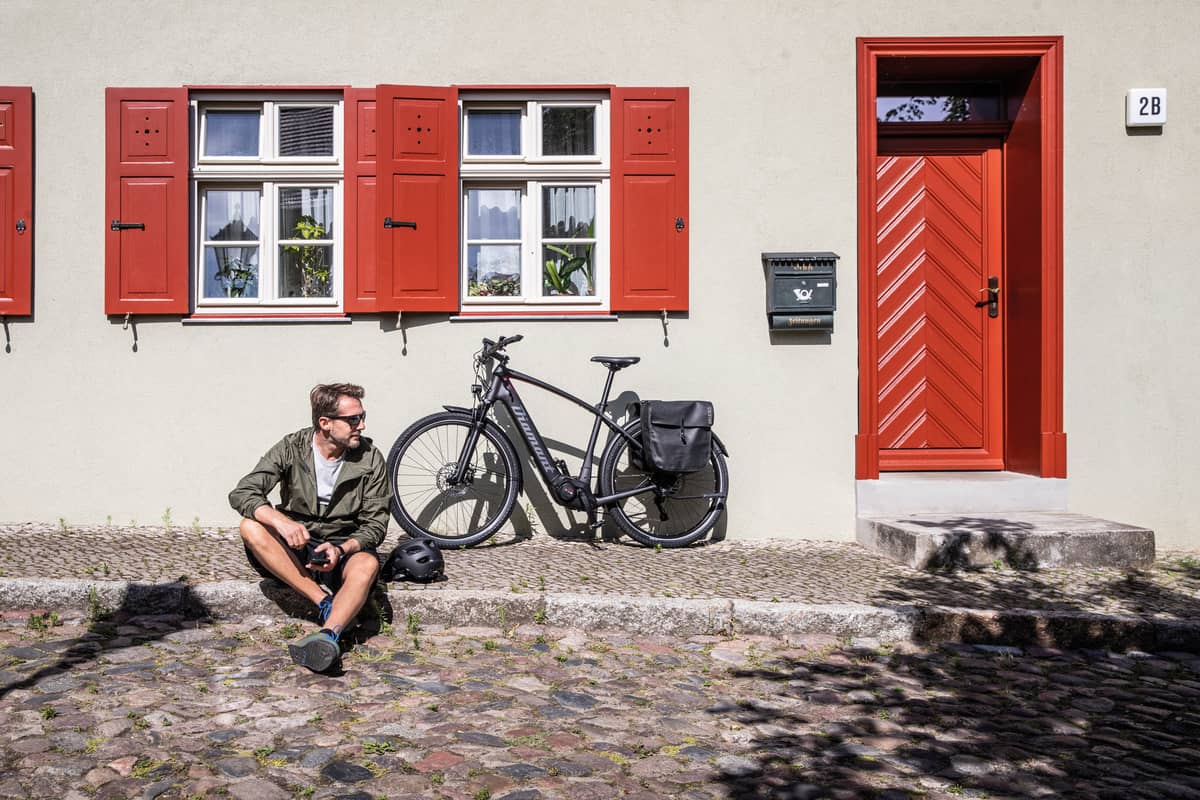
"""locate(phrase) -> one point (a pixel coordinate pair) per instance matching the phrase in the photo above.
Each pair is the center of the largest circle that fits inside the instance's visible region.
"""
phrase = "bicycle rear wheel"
(424, 501)
(676, 509)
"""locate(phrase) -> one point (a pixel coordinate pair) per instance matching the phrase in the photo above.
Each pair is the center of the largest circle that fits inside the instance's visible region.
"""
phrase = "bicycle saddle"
(617, 362)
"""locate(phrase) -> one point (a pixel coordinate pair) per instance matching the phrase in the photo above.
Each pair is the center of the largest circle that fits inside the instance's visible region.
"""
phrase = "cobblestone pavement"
(165, 707)
(783, 570)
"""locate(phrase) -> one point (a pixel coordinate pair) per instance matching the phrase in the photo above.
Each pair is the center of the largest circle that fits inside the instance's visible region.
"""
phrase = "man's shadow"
(175, 607)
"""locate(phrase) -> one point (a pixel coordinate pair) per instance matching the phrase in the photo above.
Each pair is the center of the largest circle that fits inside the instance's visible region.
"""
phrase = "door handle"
(388, 222)
(993, 297)
(117, 225)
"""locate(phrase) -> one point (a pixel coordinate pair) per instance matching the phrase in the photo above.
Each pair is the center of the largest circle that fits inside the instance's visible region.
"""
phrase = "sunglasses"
(352, 420)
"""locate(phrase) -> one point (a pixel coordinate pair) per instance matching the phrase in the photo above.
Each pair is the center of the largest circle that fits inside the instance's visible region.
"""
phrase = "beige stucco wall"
(96, 428)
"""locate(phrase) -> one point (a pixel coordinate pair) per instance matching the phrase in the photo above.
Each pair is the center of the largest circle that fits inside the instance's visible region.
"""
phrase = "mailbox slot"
(801, 290)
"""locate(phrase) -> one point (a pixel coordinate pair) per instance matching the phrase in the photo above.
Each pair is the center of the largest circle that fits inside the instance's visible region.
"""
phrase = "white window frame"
(531, 171)
(269, 173)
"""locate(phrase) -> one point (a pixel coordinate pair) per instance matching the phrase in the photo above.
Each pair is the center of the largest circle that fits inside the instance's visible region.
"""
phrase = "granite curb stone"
(648, 616)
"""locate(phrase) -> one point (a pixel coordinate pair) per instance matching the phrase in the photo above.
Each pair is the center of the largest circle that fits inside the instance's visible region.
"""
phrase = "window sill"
(527, 316)
(234, 319)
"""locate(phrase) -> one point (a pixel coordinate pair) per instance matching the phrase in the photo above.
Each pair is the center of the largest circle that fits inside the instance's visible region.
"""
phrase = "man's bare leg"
(280, 560)
(358, 576)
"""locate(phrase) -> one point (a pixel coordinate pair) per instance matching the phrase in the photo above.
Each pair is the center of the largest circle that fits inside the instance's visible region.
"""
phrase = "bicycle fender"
(720, 445)
(489, 424)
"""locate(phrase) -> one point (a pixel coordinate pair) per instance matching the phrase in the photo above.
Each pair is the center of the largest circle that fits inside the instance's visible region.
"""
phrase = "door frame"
(1034, 441)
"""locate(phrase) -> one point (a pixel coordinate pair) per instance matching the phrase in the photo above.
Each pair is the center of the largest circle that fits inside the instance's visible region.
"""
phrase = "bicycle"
(455, 475)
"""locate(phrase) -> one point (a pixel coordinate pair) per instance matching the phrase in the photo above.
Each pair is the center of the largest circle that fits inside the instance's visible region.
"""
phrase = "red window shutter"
(16, 200)
(361, 271)
(146, 201)
(649, 199)
(418, 198)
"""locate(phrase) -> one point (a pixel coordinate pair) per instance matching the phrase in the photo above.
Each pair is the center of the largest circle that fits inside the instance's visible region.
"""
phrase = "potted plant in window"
(314, 269)
(556, 277)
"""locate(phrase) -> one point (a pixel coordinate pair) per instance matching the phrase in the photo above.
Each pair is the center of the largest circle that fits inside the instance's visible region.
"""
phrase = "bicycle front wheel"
(675, 509)
(425, 501)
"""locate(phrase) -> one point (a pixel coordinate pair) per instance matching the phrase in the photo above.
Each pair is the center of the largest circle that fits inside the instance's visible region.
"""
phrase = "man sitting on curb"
(333, 514)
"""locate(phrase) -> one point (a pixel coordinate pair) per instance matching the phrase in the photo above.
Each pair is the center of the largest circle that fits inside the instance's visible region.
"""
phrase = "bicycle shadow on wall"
(539, 510)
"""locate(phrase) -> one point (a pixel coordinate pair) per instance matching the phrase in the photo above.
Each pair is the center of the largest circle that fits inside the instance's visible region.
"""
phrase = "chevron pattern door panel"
(939, 370)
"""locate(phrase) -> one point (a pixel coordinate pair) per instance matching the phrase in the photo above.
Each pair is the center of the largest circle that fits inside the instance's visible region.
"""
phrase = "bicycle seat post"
(585, 472)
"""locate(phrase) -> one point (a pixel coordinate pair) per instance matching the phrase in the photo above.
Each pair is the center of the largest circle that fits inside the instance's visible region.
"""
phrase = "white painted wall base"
(900, 493)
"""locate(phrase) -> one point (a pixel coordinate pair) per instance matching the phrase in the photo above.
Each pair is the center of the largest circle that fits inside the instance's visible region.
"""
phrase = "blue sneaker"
(317, 651)
(325, 608)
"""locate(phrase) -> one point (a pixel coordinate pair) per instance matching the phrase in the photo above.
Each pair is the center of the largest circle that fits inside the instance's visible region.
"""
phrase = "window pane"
(231, 214)
(231, 133)
(493, 133)
(306, 131)
(925, 102)
(494, 270)
(569, 212)
(305, 213)
(493, 213)
(568, 131)
(230, 272)
(305, 270)
(567, 270)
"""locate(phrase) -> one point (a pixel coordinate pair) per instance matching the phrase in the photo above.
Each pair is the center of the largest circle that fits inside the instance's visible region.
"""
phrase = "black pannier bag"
(676, 435)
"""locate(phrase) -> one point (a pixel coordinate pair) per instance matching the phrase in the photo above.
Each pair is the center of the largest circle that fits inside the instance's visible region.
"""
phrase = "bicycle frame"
(500, 389)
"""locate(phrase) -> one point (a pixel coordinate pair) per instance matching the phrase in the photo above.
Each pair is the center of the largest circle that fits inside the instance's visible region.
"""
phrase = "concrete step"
(902, 493)
(1020, 540)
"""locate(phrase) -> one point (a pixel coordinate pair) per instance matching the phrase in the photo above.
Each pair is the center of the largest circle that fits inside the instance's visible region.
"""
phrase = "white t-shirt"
(327, 475)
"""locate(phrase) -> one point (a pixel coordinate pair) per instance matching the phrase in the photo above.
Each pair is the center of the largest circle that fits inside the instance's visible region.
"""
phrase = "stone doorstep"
(1020, 540)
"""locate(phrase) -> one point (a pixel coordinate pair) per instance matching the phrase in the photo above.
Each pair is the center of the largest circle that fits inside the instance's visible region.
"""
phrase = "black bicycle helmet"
(415, 559)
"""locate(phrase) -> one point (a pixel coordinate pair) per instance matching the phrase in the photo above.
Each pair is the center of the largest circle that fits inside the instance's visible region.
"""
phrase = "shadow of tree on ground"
(962, 720)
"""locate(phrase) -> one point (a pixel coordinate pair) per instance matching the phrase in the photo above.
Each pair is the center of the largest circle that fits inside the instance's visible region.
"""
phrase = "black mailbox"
(801, 290)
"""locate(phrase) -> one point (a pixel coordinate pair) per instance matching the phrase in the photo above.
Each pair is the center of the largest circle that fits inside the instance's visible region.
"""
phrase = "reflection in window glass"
(231, 132)
(306, 131)
(492, 132)
(231, 214)
(569, 211)
(305, 213)
(568, 131)
(230, 272)
(940, 103)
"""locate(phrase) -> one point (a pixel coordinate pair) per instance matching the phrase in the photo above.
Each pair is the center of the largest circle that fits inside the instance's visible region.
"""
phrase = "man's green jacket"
(357, 510)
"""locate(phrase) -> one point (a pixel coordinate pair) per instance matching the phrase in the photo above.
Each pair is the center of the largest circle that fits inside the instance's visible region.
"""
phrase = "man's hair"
(325, 396)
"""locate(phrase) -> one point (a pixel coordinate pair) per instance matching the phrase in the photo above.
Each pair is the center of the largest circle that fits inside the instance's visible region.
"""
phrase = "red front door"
(939, 358)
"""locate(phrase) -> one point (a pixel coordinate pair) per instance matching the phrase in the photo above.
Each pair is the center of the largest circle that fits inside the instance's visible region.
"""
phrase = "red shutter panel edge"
(650, 221)
(361, 264)
(16, 200)
(417, 188)
(146, 184)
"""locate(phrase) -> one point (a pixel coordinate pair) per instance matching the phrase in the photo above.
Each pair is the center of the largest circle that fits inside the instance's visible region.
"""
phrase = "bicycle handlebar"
(491, 348)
